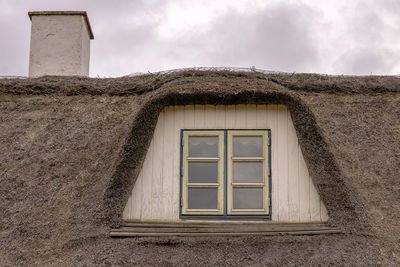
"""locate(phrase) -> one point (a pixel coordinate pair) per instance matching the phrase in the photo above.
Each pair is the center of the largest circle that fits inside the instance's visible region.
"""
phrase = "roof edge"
(64, 13)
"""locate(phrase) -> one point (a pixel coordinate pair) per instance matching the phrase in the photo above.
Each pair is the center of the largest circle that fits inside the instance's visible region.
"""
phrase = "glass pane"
(202, 198)
(202, 146)
(247, 198)
(247, 172)
(247, 146)
(203, 172)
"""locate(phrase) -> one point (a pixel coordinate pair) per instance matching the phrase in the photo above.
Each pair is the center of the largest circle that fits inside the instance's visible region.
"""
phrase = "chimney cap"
(64, 13)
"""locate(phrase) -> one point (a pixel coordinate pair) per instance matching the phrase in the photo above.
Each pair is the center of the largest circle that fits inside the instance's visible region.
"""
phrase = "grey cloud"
(366, 27)
(365, 61)
(14, 49)
(280, 37)
(389, 6)
(370, 39)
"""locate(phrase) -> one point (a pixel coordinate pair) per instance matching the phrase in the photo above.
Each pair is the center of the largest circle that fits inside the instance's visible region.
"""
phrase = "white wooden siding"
(155, 195)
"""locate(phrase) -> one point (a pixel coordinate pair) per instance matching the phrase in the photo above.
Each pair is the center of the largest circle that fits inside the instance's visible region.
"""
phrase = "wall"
(85, 55)
(155, 195)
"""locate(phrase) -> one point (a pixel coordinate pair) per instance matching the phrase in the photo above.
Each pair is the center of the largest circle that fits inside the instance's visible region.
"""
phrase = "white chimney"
(60, 43)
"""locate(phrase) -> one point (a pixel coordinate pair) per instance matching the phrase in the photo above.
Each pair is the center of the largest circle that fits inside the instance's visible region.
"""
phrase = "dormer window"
(225, 162)
(225, 173)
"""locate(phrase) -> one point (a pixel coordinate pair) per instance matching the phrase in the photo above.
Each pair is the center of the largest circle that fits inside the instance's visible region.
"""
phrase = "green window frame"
(242, 180)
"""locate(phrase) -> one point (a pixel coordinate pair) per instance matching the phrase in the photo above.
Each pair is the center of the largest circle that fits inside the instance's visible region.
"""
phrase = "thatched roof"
(71, 148)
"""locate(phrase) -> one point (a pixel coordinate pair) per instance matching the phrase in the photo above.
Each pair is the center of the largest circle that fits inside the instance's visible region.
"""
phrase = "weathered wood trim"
(211, 229)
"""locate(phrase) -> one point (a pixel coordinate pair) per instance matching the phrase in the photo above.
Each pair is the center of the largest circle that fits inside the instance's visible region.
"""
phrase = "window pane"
(203, 172)
(247, 198)
(202, 198)
(247, 172)
(202, 146)
(247, 146)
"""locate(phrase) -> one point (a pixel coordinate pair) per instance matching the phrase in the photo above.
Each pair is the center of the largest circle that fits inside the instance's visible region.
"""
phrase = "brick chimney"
(60, 43)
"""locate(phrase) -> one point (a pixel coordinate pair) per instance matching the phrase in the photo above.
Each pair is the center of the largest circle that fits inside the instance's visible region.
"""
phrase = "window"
(203, 172)
(225, 173)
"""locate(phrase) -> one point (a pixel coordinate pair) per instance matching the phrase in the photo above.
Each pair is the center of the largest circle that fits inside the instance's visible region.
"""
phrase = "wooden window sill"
(143, 229)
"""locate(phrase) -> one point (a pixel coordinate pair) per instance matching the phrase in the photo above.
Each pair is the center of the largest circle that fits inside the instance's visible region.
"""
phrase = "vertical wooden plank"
(136, 208)
(272, 118)
(140, 195)
(251, 116)
(268, 116)
(293, 165)
(282, 156)
(261, 121)
(199, 120)
(209, 117)
(179, 124)
(304, 189)
(324, 212)
(240, 117)
(168, 157)
(230, 117)
(157, 189)
(220, 117)
(315, 205)
(189, 117)
(147, 183)
(140, 201)
(126, 215)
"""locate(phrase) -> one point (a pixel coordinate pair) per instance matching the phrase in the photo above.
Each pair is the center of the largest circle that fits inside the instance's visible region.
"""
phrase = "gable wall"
(155, 195)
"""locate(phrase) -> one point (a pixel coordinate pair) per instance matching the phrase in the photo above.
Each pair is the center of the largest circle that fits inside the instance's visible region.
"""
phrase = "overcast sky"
(334, 37)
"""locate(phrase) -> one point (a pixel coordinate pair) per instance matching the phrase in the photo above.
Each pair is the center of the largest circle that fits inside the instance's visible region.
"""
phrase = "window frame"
(224, 214)
(185, 170)
(230, 159)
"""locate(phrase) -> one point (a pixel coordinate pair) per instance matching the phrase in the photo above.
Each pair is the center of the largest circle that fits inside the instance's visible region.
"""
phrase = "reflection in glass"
(247, 146)
(203, 172)
(202, 198)
(247, 198)
(203, 146)
(247, 172)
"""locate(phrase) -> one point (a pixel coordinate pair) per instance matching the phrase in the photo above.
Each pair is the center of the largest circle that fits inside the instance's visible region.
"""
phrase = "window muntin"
(203, 170)
(237, 159)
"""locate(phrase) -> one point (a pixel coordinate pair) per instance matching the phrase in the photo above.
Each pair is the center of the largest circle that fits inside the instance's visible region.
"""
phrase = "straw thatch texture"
(72, 147)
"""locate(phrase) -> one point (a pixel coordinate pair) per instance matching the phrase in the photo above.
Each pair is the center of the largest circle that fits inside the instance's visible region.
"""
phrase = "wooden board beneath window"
(142, 229)
(156, 193)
